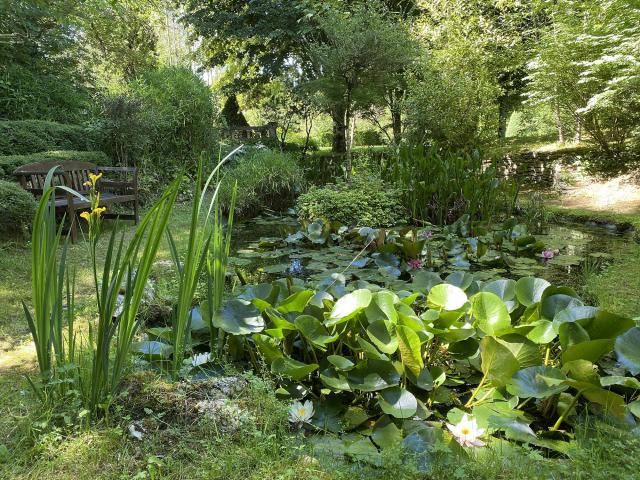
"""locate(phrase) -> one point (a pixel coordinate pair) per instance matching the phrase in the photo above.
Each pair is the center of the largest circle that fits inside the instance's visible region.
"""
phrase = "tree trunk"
(347, 127)
(577, 138)
(559, 124)
(503, 116)
(396, 117)
(339, 130)
(308, 125)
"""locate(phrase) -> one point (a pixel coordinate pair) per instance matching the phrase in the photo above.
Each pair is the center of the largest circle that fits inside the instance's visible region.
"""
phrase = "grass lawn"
(31, 448)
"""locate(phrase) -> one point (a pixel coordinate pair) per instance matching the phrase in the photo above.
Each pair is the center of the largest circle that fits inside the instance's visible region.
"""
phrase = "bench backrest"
(71, 174)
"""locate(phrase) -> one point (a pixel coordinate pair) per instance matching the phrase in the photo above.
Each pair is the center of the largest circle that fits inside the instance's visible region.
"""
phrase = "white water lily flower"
(467, 432)
(200, 359)
(301, 412)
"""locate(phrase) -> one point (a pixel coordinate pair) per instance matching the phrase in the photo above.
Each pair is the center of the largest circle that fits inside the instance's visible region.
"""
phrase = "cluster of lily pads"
(391, 255)
(521, 357)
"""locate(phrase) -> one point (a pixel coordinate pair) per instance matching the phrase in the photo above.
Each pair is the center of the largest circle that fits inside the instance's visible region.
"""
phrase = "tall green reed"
(440, 185)
(201, 232)
(49, 277)
(119, 291)
(217, 260)
(94, 367)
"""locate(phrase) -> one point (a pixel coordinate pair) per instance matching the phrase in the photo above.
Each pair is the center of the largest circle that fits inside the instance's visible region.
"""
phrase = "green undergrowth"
(265, 448)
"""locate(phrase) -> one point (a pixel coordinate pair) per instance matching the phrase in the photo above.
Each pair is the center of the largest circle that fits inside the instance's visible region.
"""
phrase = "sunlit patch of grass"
(616, 288)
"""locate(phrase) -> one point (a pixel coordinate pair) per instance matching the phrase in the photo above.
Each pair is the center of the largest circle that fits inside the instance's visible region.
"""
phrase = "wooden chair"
(119, 185)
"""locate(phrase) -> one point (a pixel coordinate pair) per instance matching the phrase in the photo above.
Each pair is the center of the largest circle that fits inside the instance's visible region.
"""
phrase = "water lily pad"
(398, 402)
(490, 311)
(292, 368)
(446, 297)
(152, 350)
(239, 317)
(537, 382)
(627, 347)
(349, 306)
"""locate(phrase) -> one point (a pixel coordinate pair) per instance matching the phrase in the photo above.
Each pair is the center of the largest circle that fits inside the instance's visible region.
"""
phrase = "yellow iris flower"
(93, 179)
(96, 212)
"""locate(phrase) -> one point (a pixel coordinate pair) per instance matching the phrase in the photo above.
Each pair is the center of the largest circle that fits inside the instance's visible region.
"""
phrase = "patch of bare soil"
(617, 195)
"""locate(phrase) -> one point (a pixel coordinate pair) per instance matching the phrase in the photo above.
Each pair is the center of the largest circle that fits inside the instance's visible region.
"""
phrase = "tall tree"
(587, 68)
(357, 61)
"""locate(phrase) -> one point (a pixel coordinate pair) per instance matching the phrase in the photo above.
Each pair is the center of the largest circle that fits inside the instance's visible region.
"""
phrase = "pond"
(261, 253)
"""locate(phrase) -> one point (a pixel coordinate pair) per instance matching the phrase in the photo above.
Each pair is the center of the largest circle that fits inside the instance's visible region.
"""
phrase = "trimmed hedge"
(21, 137)
(17, 206)
(8, 163)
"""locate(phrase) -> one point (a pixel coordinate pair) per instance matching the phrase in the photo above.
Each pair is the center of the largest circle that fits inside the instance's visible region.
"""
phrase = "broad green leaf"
(383, 334)
(529, 290)
(268, 347)
(526, 353)
(152, 350)
(239, 317)
(504, 288)
(370, 351)
(398, 402)
(292, 368)
(591, 350)
(348, 306)
(385, 433)
(424, 281)
(314, 331)
(334, 380)
(627, 347)
(491, 312)
(296, 302)
(410, 349)
(554, 304)
(355, 416)
(537, 382)
(423, 381)
(542, 332)
(634, 407)
(627, 382)
(446, 297)
(572, 333)
(373, 375)
(498, 363)
(573, 314)
(606, 325)
(382, 307)
(341, 363)
(459, 279)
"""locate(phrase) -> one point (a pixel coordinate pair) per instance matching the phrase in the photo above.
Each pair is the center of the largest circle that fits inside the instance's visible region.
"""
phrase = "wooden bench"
(119, 185)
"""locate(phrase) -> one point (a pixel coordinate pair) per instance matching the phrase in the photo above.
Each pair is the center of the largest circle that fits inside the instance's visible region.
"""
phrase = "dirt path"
(618, 195)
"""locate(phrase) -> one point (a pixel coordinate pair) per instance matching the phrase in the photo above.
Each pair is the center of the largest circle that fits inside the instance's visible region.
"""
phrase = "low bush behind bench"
(9, 163)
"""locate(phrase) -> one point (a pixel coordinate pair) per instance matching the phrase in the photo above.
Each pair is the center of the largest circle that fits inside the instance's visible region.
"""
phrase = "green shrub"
(366, 201)
(265, 179)
(368, 137)
(17, 206)
(20, 137)
(8, 163)
(175, 112)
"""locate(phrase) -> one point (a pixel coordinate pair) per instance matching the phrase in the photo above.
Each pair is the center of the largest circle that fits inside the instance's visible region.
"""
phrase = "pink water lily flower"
(415, 263)
(549, 254)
